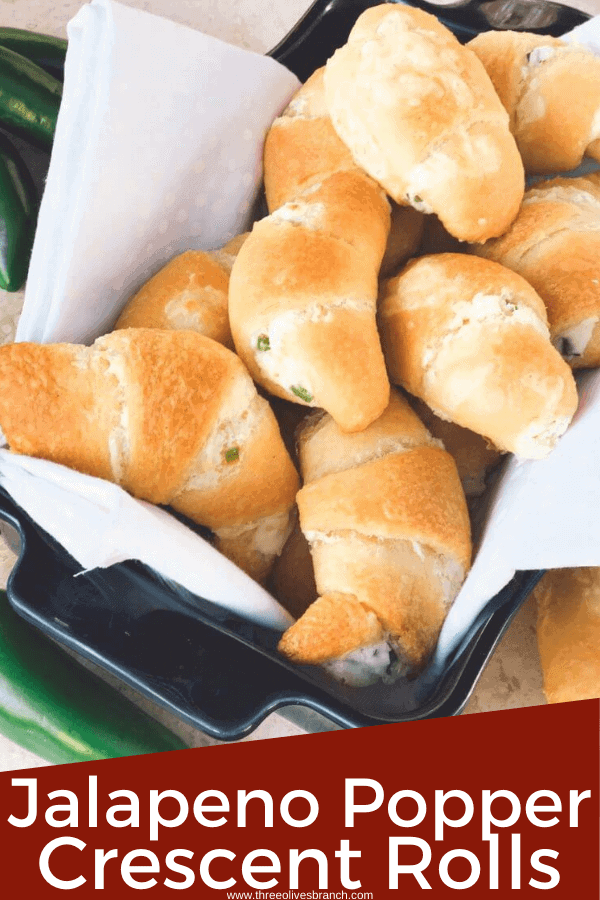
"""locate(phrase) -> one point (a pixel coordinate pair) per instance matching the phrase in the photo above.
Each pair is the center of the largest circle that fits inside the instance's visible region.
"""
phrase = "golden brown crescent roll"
(303, 290)
(386, 519)
(551, 91)
(421, 116)
(171, 416)
(188, 294)
(470, 338)
(554, 243)
(568, 633)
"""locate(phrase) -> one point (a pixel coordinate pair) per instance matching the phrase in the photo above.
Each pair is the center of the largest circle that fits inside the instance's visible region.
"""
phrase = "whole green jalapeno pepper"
(49, 704)
(29, 99)
(18, 216)
(52, 706)
(44, 50)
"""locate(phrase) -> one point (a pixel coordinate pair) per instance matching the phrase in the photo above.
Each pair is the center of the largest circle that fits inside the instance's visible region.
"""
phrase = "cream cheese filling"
(279, 363)
(238, 419)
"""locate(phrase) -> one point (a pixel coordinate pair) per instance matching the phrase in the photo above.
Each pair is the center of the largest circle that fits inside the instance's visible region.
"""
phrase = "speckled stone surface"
(512, 678)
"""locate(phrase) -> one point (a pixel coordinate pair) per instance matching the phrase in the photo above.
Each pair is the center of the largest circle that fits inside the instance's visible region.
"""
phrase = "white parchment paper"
(159, 151)
(96, 520)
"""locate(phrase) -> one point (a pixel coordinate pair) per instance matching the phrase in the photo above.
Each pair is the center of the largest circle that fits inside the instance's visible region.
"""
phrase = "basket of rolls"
(358, 393)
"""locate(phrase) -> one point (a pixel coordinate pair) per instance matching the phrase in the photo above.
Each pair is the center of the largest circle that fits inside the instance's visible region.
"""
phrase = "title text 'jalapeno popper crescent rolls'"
(386, 518)
(303, 289)
(470, 338)
(421, 116)
(171, 416)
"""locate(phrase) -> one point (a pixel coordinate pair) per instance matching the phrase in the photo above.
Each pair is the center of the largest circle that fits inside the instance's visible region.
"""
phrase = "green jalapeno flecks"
(263, 342)
(232, 455)
(301, 392)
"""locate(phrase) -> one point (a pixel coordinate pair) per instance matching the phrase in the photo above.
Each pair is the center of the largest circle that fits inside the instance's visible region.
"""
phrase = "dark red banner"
(501, 802)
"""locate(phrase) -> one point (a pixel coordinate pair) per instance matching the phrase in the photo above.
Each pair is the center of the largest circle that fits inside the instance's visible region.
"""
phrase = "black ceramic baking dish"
(206, 665)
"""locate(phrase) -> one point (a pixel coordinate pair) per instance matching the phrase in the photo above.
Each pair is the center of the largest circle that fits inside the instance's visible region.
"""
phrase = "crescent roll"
(554, 243)
(303, 289)
(188, 294)
(171, 416)
(551, 91)
(568, 633)
(387, 523)
(421, 116)
(471, 339)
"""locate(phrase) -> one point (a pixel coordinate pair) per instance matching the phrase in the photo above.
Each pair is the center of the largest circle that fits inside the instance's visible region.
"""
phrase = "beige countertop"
(512, 678)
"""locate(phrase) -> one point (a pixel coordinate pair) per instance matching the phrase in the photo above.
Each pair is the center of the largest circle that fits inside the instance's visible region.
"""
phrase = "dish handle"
(327, 24)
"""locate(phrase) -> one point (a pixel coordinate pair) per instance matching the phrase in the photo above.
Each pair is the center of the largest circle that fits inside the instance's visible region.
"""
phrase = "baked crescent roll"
(421, 116)
(303, 289)
(551, 91)
(470, 338)
(554, 243)
(189, 294)
(171, 416)
(387, 523)
(568, 633)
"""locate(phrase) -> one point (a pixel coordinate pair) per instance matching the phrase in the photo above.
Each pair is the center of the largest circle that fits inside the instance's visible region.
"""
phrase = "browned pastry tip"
(330, 627)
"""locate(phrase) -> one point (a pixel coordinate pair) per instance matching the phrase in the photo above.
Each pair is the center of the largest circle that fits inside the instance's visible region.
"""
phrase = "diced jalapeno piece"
(263, 342)
(301, 392)
(232, 454)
